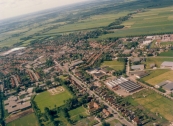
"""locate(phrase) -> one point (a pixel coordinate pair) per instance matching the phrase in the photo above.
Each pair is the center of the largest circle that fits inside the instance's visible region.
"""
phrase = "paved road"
(110, 108)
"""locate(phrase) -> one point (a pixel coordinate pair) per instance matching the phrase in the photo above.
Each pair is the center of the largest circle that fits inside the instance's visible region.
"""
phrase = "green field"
(160, 78)
(157, 20)
(167, 54)
(166, 43)
(155, 103)
(158, 61)
(29, 120)
(45, 99)
(116, 65)
(154, 73)
(114, 122)
(90, 121)
(76, 113)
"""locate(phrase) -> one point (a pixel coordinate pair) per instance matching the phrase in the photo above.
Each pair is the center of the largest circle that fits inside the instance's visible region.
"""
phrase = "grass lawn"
(166, 43)
(113, 122)
(45, 99)
(63, 77)
(155, 73)
(158, 61)
(163, 77)
(155, 103)
(116, 65)
(168, 53)
(90, 121)
(29, 120)
(76, 113)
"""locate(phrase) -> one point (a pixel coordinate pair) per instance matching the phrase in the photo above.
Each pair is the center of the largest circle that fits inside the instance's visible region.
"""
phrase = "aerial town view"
(86, 63)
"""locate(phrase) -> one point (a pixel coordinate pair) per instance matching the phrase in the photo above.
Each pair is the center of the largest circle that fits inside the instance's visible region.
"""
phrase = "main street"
(92, 93)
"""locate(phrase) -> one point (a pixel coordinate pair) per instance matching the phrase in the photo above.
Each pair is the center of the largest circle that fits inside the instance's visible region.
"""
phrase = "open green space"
(116, 65)
(114, 122)
(166, 43)
(29, 120)
(155, 103)
(45, 99)
(157, 60)
(160, 78)
(90, 121)
(167, 54)
(155, 73)
(77, 113)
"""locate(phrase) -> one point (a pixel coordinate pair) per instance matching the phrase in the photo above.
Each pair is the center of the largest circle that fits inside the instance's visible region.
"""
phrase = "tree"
(48, 82)
(105, 124)
(49, 62)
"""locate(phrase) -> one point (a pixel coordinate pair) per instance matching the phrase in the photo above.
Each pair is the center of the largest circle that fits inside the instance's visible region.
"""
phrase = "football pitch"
(46, 99)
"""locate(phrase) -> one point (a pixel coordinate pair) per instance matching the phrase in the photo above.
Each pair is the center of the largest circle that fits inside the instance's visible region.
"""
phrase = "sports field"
(29, 120)
(163, 77)
(155, 103)
(46, 99)
(157, 20)
(76, 113)
(116, 65)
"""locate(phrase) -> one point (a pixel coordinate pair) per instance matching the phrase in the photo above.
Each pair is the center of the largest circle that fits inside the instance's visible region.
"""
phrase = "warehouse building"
(168, 87)
(130, 86)
(137, 67)
(167, 64)
(123, 83)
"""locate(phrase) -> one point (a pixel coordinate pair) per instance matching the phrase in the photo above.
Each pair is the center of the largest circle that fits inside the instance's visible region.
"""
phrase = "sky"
(12, 8)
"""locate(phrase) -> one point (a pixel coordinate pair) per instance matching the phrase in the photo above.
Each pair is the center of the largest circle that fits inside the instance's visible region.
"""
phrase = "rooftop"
(167, 63)
(134, 67)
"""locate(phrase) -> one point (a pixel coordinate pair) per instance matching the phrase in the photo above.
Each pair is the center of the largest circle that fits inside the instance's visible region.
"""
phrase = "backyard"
(78, 113)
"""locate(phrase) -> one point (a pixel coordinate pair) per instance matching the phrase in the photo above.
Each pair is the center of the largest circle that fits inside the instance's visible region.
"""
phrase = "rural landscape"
(93, 63)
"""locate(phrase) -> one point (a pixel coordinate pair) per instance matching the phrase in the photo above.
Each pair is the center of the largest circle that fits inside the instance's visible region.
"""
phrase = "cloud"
(11, 8)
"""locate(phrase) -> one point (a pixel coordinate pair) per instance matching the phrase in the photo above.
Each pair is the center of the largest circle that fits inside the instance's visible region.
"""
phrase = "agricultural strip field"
(155, 103)
(163, 77)
(45, 99)
(152, 21)
(154, 73)
(29, 120)
(89, 23)
(157, 60)
(76, 113)
(116, 65)
(167, 54)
